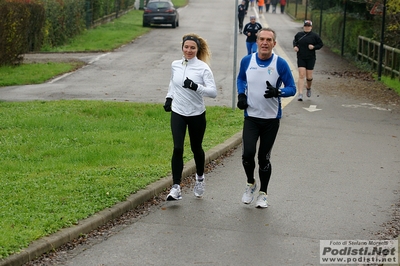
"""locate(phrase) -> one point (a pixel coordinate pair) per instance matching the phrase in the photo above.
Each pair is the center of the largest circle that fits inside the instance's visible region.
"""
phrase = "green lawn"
(62, 161)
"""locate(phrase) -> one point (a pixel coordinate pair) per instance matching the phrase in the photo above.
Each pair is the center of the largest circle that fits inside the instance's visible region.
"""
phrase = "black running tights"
(265, 130)
(196, 126)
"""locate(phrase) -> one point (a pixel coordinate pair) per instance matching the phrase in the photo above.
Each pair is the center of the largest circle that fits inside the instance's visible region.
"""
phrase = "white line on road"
(366, 105)
(312, 108)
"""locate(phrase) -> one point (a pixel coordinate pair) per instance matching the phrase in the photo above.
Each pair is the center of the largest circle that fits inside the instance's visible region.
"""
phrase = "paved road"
(140, 71)
(336, 165)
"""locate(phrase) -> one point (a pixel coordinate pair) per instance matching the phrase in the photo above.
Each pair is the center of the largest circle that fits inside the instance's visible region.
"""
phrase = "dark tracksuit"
(241, 15)
(251, 40)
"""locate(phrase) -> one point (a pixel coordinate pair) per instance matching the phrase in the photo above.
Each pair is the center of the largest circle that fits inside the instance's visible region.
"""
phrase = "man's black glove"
(271, 91)
(242, 101)
(189, 84)
(167, 105)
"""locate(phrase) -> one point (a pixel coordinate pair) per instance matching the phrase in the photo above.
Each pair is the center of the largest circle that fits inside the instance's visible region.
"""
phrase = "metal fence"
(368, 50)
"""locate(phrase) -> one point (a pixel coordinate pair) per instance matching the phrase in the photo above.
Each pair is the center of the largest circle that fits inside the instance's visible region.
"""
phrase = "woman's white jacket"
(185, 101)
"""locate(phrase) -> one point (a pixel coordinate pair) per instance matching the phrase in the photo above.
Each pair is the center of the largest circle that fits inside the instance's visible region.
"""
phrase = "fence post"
(320, 19)
(344, 26)
(88, 14)
(370, 51)
(305, 17)
(382, 40)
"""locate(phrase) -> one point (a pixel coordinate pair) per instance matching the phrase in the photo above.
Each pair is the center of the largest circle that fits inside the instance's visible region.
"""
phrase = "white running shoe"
(248, 195)
(262, 200)
(199, 188)
(175, 193)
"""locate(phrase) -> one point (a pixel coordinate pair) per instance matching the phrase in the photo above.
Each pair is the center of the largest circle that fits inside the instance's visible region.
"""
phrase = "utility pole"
(235, 54)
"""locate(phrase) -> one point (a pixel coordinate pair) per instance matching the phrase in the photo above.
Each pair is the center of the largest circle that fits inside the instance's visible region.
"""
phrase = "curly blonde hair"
(203, 52)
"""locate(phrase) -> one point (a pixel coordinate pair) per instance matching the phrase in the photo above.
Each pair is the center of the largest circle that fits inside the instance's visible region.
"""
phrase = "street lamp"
(235, 55)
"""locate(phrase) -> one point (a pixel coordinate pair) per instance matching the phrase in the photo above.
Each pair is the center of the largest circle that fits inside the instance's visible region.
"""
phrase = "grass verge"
(391, 83)
(62, 161)
(106, 37)
(34, 73)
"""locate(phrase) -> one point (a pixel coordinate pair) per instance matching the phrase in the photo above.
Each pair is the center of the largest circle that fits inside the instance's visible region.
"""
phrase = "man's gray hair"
(267, 29)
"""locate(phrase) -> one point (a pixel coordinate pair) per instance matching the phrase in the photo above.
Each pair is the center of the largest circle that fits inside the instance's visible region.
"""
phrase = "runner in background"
(260, 4)
(241, 14)
(283, 4)
(250, 30)
(305, 44)
(267, 5)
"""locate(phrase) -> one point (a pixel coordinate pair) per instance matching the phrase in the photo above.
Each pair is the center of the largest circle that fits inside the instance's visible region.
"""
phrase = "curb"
(48, 243)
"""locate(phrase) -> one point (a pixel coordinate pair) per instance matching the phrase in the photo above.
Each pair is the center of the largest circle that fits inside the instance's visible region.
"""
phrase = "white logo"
(359, 251)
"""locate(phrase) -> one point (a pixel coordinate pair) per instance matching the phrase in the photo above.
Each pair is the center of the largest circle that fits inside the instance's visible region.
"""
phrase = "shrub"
(64, 19)
(20, 29)
(14, 21)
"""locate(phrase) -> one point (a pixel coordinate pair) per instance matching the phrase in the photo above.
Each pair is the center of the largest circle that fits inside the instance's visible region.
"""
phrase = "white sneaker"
(199, 187)
(300, 97)
(175, 193)
(248, 195)
(262, 200)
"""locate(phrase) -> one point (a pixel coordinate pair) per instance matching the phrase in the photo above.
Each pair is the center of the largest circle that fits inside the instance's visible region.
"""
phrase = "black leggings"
(240, 23)
(196, 126)
(265, 130)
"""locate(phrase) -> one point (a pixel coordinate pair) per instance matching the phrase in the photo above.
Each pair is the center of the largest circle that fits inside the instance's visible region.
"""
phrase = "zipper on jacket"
(185, 63)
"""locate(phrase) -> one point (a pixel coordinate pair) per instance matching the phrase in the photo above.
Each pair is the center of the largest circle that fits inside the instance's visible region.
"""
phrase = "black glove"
(242, 101)
(167, 105)
(271, 91)
(189, 84)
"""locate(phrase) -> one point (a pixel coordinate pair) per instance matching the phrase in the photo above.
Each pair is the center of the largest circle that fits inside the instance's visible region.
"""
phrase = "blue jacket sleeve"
(287, 79)
(241, 82)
